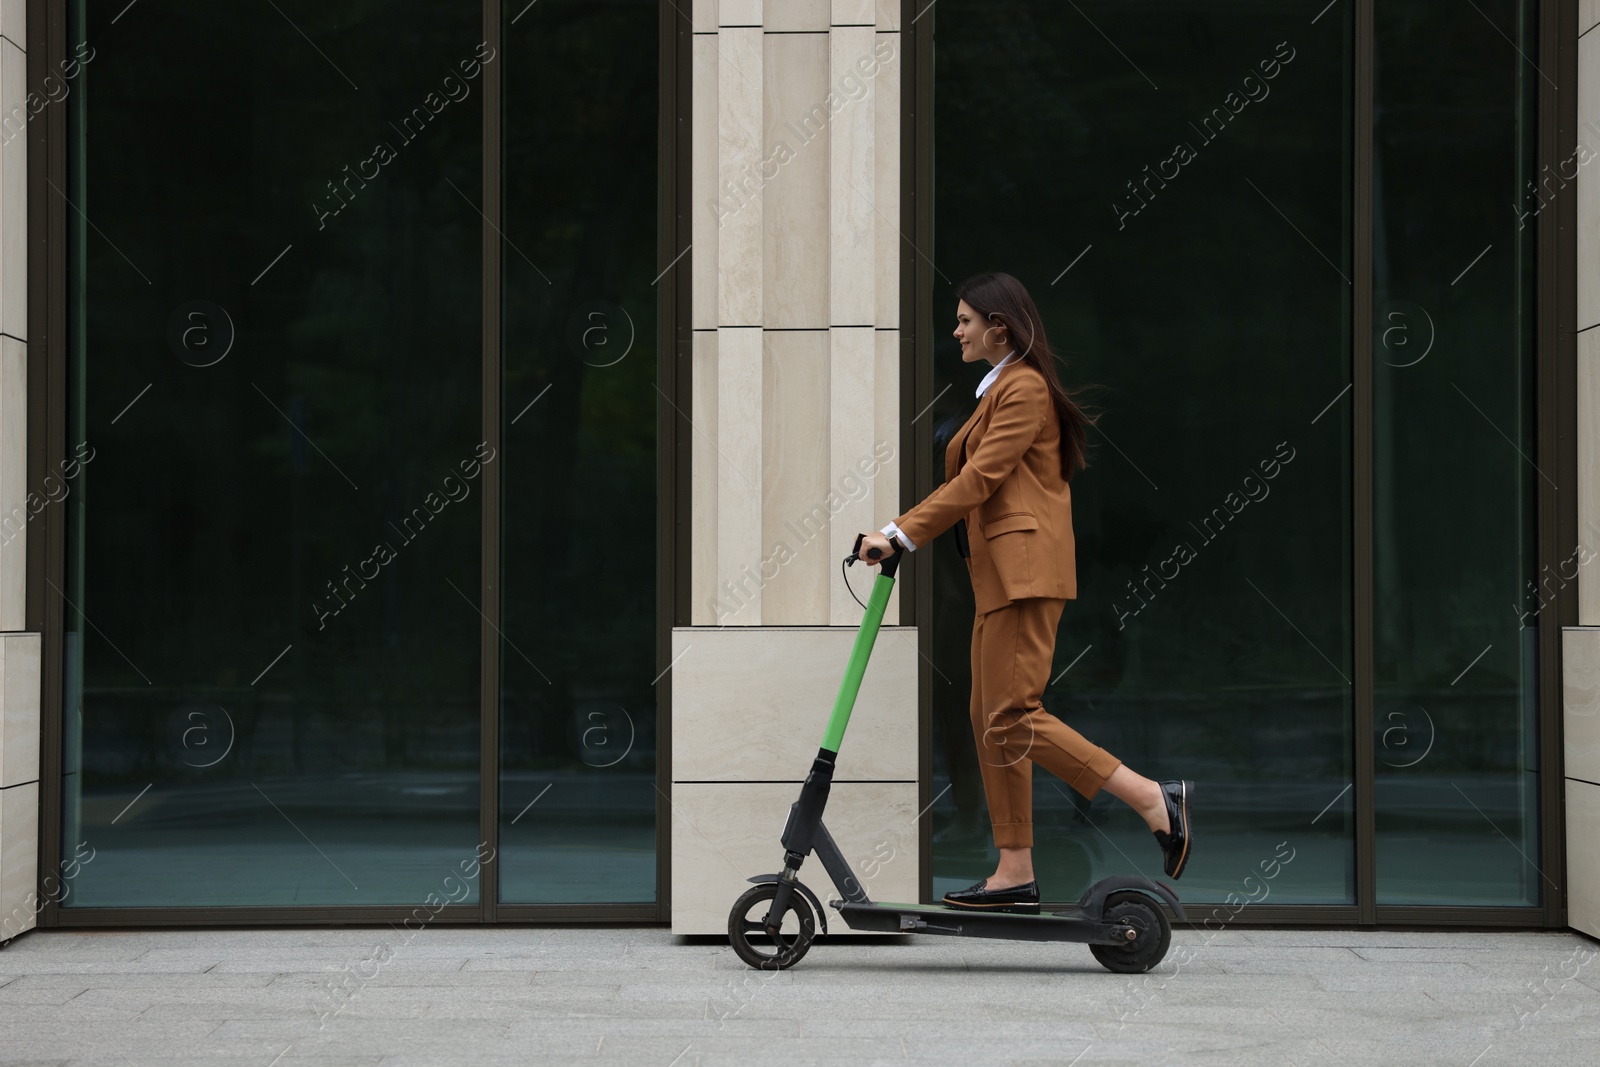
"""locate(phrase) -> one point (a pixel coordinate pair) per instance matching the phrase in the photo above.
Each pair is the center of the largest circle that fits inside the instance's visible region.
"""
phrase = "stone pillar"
(796, 183)
(1580, 645)
(19, 651)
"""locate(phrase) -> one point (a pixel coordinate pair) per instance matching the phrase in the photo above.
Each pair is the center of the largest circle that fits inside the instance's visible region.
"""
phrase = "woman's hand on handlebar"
(875, 541)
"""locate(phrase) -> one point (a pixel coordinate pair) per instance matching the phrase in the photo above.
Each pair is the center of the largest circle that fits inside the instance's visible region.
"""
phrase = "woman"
(1006, 474)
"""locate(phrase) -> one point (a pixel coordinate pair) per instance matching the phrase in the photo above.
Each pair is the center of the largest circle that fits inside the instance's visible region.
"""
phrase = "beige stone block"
(886, 419)
(14, 512)
(797, 540)
(19, 858)
(1583, 859)
(740, 132)
(855, 13)
(797, 16)
(1580, 701)
(886, 441)
(706, 201)
(741, 12)
(889, 14)
(851, 153)
(704, 464)
(13, 194)
(739, 469)
(852, 458)
(1588, 183)
(19, 709)
(725, 833)
(703, 16)
(752, 704)
(888, 243)
(14, 22)
(794, 181)
(1588, 15)
(1588, 503)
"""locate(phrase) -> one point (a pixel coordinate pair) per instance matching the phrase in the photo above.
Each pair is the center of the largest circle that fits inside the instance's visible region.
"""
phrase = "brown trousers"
(1012, 651)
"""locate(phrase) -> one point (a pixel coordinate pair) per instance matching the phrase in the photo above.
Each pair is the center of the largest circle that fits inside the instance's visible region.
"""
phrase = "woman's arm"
(1022, 403)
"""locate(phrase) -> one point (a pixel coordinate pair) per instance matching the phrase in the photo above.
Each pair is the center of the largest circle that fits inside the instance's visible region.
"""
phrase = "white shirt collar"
(994, 372)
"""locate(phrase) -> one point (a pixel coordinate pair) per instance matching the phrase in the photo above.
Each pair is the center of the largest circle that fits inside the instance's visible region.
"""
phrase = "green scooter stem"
(877, 604)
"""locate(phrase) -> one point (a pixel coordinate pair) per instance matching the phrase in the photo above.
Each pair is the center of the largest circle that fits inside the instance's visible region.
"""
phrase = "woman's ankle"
(1007, 880)
(1015, 868)
(1141, 794)
(1155, 816)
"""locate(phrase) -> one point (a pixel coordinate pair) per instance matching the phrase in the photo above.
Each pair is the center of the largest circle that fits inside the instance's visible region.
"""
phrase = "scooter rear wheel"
(760, 949)
(1153, 933)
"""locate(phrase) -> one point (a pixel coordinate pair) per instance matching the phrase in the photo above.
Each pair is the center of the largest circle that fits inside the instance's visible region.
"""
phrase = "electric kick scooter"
(772, 925)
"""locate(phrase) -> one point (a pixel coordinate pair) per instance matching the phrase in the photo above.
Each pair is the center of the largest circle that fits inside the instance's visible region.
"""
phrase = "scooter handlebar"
(872, 553)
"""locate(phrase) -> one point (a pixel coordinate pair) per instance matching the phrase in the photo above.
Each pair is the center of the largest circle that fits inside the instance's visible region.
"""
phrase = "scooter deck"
(1070, 924)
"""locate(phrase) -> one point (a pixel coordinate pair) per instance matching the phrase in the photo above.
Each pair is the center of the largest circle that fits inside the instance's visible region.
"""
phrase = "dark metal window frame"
(46, 446)
(1555, 354)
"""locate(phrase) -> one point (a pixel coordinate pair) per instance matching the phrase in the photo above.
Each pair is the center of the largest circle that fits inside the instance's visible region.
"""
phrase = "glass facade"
(305, 665)
(1177, 193)
(273, 657)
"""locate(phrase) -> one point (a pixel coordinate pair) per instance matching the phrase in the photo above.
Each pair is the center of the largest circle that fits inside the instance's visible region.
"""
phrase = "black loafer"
(1175, 843)
(1019, 899)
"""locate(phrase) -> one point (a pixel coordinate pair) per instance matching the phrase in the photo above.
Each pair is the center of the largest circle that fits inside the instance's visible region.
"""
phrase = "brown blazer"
(1010, 490)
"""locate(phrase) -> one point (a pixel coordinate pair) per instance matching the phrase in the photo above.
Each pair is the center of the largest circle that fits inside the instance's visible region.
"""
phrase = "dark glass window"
(578, 664)
(1457, 607)
(1177, 194)
(271, 671)
(275, 556)
(1177, 202)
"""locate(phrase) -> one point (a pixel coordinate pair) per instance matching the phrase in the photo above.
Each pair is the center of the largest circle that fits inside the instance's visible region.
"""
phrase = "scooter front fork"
(799, 832)
(780, 897)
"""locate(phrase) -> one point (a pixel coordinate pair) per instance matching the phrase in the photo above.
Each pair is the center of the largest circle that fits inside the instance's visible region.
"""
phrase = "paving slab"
(530, 996)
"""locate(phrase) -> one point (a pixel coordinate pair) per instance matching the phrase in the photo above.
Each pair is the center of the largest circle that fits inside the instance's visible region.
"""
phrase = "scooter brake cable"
(846, 576)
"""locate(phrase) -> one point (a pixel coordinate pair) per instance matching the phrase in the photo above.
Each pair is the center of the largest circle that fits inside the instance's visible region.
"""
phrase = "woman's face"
(979, 339)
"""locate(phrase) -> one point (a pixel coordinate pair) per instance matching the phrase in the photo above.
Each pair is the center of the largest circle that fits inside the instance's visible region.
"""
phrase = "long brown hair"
(1001, 300)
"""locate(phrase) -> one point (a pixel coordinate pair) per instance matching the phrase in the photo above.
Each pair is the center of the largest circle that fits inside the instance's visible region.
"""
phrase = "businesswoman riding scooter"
(1006, 474)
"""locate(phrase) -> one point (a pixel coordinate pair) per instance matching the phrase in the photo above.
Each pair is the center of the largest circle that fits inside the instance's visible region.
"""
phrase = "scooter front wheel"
(748, 935)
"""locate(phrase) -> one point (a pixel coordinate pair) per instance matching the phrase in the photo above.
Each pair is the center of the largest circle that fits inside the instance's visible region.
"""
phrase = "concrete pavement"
(561, 995)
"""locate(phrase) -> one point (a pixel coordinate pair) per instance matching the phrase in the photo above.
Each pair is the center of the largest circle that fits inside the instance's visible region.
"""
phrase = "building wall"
(1580, 645)
(796, 413)
(796, 444)
(19, 651)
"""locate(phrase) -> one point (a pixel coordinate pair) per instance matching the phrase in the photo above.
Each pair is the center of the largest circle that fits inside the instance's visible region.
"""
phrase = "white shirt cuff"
(892, 530)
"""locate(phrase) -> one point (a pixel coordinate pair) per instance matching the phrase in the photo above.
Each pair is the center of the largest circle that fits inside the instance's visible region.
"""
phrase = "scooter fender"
(816, 905)
(1093, 901)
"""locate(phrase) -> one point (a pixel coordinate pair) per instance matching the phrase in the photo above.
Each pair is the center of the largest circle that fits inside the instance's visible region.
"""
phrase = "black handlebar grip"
(872, 553)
